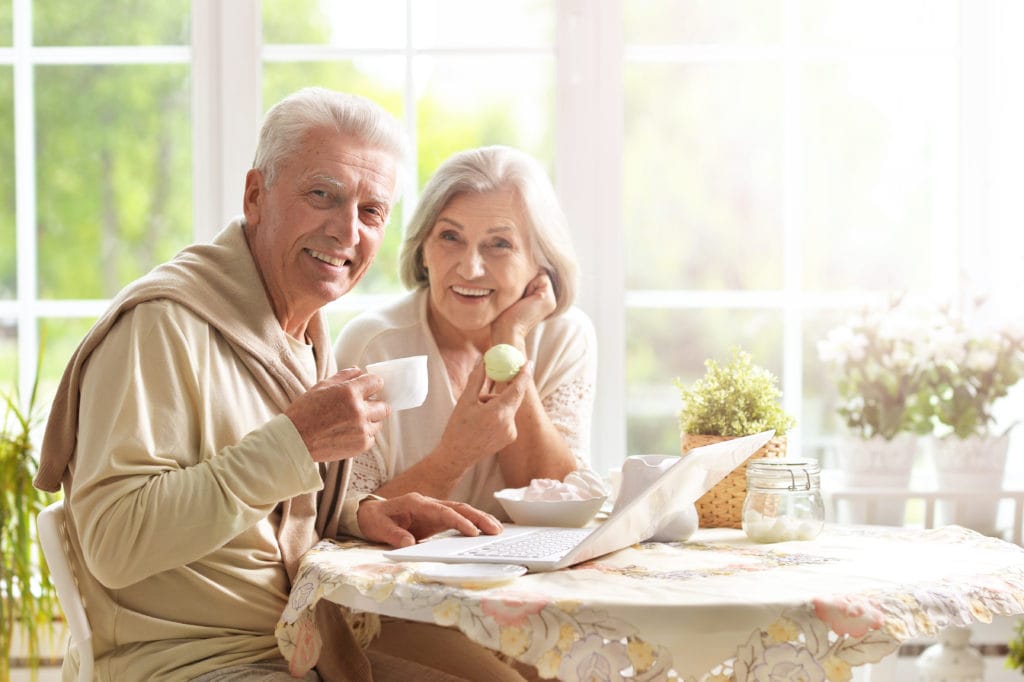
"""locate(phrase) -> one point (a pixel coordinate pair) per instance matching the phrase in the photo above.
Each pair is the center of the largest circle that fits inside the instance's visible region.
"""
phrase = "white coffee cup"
(405, 381)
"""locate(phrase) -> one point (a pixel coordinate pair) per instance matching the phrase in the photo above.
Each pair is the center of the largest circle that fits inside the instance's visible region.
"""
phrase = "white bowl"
(568, 513)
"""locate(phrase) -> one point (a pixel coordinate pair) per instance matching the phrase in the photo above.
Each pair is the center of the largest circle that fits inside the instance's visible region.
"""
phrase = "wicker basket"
(722, 506)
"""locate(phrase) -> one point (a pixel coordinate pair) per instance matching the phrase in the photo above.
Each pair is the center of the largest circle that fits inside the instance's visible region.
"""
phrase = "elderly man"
(202, 433)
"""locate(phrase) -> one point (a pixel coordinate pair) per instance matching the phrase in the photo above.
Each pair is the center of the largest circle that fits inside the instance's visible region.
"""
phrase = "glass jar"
(783, 500)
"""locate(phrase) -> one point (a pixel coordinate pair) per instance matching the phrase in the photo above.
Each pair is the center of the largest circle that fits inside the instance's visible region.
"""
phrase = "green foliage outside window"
(110, 22)
(114, 174)
(6, 24)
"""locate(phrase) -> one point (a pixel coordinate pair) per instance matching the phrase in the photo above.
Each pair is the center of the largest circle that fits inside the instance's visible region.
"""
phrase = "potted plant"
(972, 365)
(877, 358)
(729, 401)
(28, 601)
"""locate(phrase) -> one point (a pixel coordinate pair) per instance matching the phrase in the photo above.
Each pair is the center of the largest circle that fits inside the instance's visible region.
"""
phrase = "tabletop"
(717, 607)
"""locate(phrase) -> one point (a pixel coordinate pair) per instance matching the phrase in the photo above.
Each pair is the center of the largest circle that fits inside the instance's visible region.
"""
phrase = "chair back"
(52, 530)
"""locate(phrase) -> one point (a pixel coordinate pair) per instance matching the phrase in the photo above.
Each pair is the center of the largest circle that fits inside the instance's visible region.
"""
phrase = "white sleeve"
(570, 408)
(569, 383)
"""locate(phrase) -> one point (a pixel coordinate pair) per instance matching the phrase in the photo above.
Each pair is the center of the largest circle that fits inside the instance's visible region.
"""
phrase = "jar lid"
(784, 474)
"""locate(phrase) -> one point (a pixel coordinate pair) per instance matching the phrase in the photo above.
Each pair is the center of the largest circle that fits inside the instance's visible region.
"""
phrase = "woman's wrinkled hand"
(404, 520)
(484, 422)
(519, 319)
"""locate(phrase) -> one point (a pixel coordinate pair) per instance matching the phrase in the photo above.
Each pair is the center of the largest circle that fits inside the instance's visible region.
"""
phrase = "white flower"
(981, 359)
(946, 345)
(898, 328)
(903, 357)
(1015, 330)
(923, 368)
(842, 346)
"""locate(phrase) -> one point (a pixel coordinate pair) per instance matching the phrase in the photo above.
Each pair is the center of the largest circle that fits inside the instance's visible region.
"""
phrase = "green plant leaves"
(27, 598)
(733, 400)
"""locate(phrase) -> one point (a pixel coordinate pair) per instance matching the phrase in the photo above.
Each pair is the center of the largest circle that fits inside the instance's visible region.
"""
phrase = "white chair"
(53, 539)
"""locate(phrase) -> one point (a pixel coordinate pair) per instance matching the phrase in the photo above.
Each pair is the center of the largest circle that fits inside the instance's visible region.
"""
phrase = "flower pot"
(722, 506)
(974, 464)
(876, 463)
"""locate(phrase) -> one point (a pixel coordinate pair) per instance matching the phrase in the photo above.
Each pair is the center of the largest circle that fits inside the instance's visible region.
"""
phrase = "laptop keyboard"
(535, 545)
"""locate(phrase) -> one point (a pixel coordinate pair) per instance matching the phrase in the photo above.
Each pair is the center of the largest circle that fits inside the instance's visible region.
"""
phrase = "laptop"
(547, 549)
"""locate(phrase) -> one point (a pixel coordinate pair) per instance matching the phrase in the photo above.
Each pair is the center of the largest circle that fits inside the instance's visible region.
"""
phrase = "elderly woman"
(489, 259)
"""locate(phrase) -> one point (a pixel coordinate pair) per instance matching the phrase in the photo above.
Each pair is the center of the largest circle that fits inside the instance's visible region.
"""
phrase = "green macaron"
(502, 362)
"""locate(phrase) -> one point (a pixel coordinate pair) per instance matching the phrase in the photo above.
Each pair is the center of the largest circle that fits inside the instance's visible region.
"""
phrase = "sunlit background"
(736, 172)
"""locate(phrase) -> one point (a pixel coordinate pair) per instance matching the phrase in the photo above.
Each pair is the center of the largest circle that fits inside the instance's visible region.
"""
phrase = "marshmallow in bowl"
(578, 485)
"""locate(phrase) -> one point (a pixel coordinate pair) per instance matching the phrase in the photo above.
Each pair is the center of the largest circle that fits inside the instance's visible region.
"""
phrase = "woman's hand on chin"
(519, 319)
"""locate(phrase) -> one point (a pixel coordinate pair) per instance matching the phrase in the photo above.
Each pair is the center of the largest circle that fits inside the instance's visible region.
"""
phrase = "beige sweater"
(180, 459)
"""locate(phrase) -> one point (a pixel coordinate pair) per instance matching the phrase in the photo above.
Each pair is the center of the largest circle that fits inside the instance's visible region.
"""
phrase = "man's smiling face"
(317, 229)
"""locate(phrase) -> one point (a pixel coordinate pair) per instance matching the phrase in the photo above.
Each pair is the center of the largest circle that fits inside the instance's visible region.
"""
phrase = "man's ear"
(252, 198)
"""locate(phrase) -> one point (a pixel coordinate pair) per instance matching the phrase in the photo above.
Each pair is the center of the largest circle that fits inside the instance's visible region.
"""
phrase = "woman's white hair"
(289, 121)
(486, 169)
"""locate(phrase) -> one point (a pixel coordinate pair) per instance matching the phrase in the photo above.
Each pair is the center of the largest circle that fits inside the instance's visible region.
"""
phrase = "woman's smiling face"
(479, 258)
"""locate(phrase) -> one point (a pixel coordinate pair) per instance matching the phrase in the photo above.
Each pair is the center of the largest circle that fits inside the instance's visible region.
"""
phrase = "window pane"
(8, 246)
(114, 169)
(59, 338)
(471, 23)
(6, 26)
(111, 22)
(879, 22)
(351, 24)
(379, 79)
(818, 419)
(879, 167)
(665, 345)
(1007, 175)
(655, 22)
(473, 101)
(703, 176)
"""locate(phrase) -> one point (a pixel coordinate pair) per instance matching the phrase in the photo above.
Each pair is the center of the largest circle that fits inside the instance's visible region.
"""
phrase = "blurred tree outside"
(6, 26)
(114, 174)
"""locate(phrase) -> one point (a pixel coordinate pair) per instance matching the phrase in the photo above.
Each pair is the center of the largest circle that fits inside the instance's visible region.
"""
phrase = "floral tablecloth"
(715, 608)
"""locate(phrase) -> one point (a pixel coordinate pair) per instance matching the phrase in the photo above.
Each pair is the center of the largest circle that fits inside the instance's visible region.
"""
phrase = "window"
(735, 173)
(95, 111)
(788, 162)
(803, 151)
